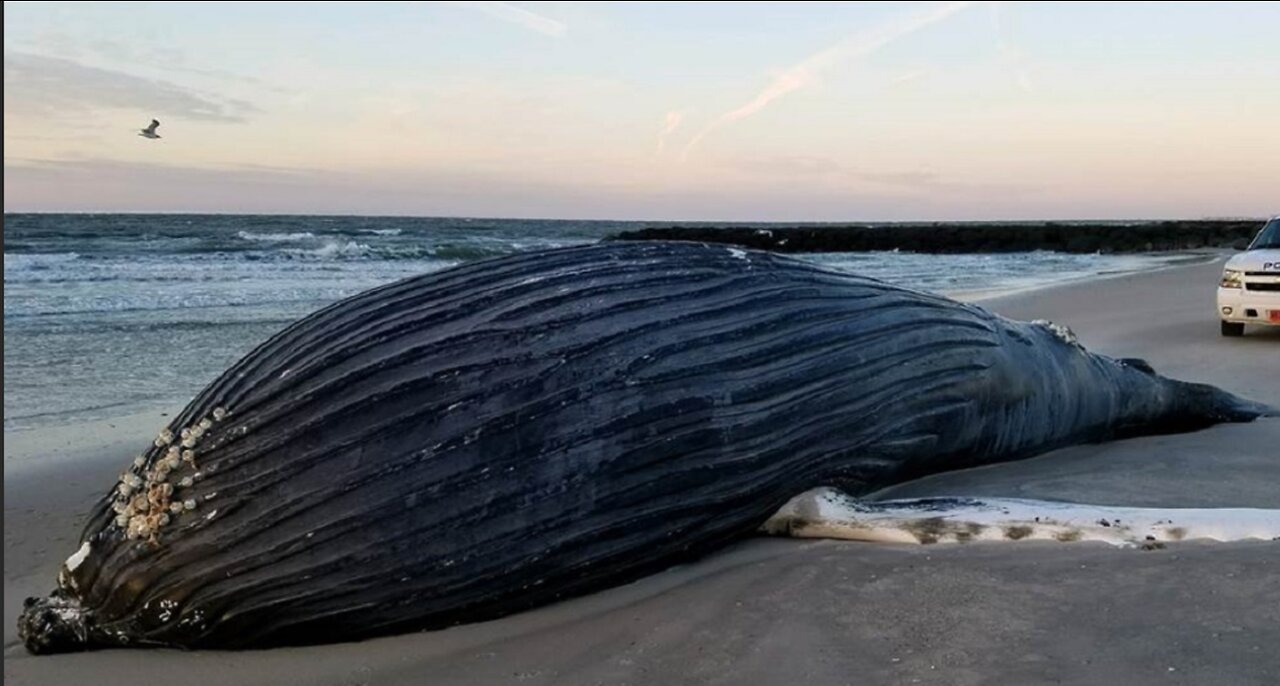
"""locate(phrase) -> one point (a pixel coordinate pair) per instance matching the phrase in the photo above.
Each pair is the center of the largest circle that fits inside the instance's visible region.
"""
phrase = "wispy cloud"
(171, 59)
(809, 169)
(671, 123)
(50, 86)
(1009, 54)
(807, 72)
(516, 15)
(908, 77)
(144, 54)
(105, 185)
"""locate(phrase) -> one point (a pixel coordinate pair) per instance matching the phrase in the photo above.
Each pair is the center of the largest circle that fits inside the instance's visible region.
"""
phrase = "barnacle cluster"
(146, 497)
(1062, 332)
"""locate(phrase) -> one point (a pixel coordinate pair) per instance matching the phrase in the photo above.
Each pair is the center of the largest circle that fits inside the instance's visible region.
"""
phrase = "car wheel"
(1232, 329)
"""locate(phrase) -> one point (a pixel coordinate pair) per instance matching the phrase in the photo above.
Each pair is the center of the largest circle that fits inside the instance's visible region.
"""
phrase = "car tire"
(1232, 329)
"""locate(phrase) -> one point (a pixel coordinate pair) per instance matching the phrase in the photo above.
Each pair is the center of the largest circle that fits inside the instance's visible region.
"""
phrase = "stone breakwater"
(968, 237)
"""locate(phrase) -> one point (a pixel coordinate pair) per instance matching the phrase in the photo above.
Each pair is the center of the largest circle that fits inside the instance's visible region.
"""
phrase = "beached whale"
(493, 437)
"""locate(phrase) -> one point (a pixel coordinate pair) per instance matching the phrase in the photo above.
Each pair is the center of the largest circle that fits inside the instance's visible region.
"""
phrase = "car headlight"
(1230, 279)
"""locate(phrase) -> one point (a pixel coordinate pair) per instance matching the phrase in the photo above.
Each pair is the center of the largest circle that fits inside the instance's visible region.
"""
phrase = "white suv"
(1249, 292)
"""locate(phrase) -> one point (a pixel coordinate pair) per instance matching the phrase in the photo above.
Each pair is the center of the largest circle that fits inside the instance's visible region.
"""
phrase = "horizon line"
(1262, 217)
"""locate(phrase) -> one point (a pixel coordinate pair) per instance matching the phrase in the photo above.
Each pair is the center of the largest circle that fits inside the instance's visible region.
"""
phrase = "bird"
(150, 131)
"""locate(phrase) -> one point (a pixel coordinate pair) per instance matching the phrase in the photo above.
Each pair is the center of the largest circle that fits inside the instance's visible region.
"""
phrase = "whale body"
(493, 437)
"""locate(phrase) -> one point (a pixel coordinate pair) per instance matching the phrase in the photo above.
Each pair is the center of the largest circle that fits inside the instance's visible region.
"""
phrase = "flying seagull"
(150, 131)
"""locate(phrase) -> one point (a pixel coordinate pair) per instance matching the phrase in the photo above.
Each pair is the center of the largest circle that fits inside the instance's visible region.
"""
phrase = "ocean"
(106, 315)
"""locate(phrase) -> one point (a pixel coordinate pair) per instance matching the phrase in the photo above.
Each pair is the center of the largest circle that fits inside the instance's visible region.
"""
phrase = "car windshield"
(1269, 237)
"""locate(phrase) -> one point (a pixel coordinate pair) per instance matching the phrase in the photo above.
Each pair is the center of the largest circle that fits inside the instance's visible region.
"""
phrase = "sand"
(770, 611)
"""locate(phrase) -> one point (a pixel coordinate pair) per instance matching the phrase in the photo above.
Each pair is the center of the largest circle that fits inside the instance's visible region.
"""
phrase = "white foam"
(291, 237)
(22, 262)
(331, 250)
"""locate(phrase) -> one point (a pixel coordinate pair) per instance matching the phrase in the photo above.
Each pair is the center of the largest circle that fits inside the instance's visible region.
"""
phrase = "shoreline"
(769, 610)
(1170, 260)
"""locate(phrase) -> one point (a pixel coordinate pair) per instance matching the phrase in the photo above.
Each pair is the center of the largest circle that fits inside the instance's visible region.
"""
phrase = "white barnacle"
(186, 482)
(186, 432)
(189, 442)
(189, 504)
(1063, 333)
(139, 462)
(173, 462)
(159, 442)
(205, 424)
(134, 480)
(122, 520)
(163, 518)
(119, 507)
(166, 490)
(125, 489)
(219, 413)
(188, 455)
(175, 507)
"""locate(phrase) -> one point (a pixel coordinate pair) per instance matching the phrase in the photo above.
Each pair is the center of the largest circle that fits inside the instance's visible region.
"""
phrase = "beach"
(822, 612)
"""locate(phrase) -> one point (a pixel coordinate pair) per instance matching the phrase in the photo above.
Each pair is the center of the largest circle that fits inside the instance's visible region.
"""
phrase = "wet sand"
(770, 611)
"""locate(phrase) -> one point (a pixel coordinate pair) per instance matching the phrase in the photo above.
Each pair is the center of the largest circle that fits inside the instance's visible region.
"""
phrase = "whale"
(500, 435)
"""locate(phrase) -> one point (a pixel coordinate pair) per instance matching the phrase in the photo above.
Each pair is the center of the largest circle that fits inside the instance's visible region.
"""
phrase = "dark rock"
(961, 237)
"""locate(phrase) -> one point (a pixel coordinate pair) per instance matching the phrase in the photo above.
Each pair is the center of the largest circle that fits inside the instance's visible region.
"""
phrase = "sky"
(761, 111)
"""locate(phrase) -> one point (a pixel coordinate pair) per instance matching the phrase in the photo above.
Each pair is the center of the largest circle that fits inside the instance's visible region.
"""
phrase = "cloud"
(90, 185)
(172, 59)
(1010, 55)
(144, 54)
(808, 169)
(103, 185)
(672, 123)
(516, 15)
(908, 77)
(806, 72)
(52, 86)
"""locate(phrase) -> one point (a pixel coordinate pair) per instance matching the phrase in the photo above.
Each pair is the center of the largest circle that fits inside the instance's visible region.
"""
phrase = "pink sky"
(762, 111)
